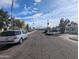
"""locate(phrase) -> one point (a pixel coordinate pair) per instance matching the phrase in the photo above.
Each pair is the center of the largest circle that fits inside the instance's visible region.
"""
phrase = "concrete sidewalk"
(70, 36)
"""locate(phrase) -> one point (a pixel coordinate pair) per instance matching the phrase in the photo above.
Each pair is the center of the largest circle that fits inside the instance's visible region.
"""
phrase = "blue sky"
(39, 11)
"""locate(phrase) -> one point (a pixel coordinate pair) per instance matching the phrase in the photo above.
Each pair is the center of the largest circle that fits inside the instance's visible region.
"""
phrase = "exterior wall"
(73, 29)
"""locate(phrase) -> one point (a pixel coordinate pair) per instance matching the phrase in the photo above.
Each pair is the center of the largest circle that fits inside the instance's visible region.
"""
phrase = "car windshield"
(7, 33)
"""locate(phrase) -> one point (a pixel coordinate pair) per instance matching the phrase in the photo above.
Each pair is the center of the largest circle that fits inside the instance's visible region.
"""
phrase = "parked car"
(12, 36)
(52, 32)
(45, 31)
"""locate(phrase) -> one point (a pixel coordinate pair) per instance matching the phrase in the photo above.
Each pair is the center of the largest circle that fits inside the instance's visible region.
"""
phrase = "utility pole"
(12, 14)
(47, 23)
(47, 29)
(12, 8)
(33, 25)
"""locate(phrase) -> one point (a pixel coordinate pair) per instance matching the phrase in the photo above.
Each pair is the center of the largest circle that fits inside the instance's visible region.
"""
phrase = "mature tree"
(3, 18)
(18, 23)
(63, 24)
(67, 21)
(27, 27)
(4, 15)
(22, 24)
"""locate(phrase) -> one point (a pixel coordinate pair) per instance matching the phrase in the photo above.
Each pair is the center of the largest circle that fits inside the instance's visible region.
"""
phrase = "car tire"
(20, 41)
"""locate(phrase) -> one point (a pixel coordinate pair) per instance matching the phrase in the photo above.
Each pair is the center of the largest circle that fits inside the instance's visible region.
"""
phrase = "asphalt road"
(40, 46)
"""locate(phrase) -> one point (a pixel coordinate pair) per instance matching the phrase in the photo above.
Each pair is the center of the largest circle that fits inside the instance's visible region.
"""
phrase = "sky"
(39, 11)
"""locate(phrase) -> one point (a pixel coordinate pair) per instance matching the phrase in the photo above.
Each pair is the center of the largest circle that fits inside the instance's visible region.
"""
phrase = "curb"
(73, 39)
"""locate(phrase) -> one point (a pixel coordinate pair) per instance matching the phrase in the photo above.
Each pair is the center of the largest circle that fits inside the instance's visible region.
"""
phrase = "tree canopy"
(63, 24)
(5, 21)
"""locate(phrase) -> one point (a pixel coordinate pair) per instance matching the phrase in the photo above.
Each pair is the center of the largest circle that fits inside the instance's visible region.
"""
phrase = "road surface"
(41, 46)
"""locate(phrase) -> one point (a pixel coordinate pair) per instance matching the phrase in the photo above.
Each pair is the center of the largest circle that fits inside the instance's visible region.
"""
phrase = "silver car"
(12, 36)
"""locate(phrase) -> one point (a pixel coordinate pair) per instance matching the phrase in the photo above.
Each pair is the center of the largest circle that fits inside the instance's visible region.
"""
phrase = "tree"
(73, 23)
(27, 27)
(3, 18)
(18, 23)
(4, 15)
(63, 24)
(67, 21)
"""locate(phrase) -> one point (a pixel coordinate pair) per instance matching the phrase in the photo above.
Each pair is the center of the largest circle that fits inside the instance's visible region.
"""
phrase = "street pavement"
(41, 46)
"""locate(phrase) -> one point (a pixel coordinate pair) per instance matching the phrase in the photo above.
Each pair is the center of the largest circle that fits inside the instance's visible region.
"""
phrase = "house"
(72, 28)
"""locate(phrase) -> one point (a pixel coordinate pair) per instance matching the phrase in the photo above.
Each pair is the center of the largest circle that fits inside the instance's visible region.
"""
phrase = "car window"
(18, 32)
(7, 33)
(24, 32)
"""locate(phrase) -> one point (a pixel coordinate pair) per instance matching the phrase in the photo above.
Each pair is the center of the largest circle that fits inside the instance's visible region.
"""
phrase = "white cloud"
(75, 0)
(65, 9)
(35, 3)
(31, 17)
(28, 10)
(18, 18)
(35, 8)
(25, 11)
(7, 3)
(34, 11)
(37, 15)
(25, 7)
(68, 9)
(38, 1)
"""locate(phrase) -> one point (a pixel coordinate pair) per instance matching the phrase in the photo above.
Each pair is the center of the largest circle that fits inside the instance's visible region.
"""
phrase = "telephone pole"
(12, 8)
(47, 23)
(12, 13)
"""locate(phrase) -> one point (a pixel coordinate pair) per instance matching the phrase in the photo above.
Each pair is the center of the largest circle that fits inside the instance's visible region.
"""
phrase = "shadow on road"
(8, 46)
(5, 47)
(52, 34)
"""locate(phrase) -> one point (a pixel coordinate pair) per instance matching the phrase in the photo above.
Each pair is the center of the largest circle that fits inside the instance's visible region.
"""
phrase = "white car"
(53, 32)
(12, 36)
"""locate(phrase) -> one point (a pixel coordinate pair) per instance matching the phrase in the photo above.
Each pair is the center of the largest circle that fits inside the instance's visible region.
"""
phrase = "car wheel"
(20, 41)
